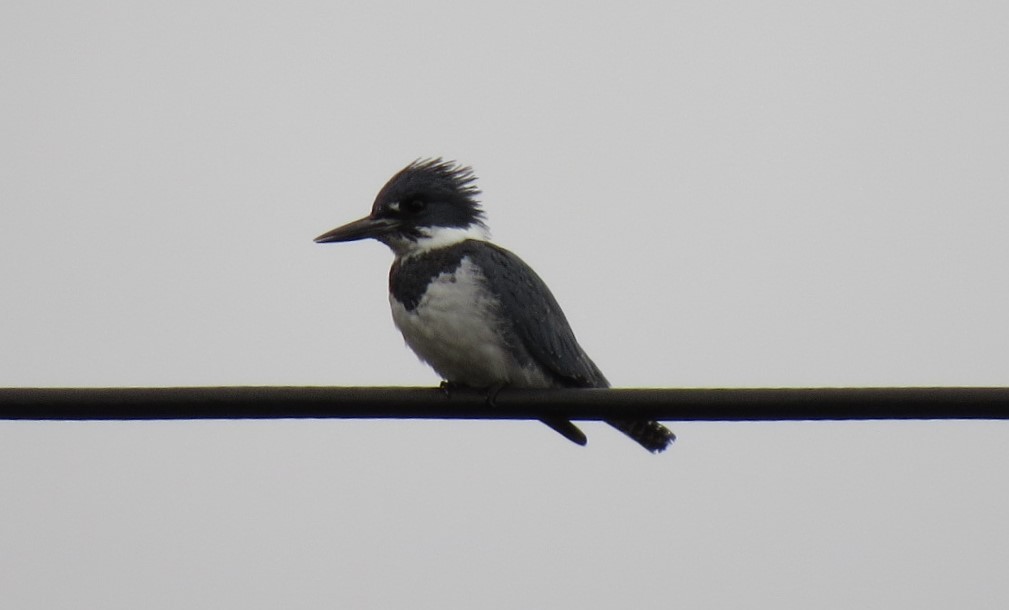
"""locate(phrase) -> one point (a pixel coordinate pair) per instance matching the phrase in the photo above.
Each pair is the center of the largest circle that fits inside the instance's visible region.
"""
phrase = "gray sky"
(720, 194)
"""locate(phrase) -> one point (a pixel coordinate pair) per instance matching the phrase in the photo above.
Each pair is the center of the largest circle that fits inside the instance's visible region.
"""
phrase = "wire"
(691, 404)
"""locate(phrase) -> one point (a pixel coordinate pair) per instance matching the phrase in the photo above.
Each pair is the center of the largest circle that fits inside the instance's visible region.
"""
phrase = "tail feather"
(567, 430)
(651, 435)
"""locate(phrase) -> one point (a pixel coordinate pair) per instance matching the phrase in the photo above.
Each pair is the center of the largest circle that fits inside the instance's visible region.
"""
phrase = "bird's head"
(429, 204)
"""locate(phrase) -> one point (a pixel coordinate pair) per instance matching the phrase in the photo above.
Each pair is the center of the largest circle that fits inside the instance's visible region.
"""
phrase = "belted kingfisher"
(472, 310)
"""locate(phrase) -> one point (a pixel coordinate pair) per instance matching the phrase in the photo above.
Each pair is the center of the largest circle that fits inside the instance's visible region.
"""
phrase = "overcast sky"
(719, 193)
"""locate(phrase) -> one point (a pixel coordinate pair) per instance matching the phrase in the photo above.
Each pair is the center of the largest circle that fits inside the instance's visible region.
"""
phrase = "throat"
(435, 238)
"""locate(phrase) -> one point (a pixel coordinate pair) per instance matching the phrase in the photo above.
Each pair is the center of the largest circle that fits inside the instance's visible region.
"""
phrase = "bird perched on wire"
(472, 310)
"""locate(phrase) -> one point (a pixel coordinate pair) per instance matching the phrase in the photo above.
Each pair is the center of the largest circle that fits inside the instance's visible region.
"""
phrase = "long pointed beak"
(359, 229)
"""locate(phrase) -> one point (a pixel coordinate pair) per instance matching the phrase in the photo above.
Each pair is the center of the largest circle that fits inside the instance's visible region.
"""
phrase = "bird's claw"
(447, 387)
(492, 393)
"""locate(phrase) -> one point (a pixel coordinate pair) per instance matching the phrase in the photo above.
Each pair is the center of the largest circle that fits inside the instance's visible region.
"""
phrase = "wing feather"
(535, 317)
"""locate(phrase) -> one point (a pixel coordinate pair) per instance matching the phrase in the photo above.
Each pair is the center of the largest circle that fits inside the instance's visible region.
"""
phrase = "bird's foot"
(447, 387)
(492, 393)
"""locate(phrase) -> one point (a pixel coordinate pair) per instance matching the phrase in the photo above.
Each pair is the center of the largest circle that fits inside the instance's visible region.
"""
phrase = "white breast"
(455, 328)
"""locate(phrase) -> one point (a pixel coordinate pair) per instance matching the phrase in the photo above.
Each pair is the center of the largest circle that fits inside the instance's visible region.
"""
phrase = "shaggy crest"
(436, 180)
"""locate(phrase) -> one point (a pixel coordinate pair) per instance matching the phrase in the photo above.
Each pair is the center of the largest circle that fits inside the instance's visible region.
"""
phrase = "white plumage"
(449, 330)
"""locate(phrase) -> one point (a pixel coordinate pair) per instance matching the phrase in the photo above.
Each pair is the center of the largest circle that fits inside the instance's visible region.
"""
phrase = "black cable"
(693, 404)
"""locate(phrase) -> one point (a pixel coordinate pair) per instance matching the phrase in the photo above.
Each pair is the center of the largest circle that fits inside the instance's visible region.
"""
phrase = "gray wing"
(535, 318)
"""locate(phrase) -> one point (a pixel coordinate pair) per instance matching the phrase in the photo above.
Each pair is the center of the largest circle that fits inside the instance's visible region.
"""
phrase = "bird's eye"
(414, 205)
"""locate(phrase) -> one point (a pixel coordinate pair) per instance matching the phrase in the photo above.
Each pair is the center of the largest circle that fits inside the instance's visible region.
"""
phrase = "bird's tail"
(651, 435)
(567, 430)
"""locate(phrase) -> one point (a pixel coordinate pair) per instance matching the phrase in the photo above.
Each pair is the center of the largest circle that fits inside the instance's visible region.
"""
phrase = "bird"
(472, 310)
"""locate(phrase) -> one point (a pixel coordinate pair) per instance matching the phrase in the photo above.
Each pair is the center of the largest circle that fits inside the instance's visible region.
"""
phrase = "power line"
(689, 404)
